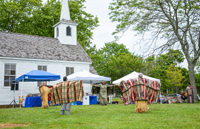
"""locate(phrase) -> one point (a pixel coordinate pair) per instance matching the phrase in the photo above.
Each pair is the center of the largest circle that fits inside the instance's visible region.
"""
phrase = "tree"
(171, 57)
(176, 21)
(174, 77)
(14, 11)
(122, 64)
(102, 56)
(31, 17)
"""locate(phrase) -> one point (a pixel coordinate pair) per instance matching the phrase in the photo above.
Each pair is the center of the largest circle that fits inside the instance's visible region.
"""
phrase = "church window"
(42, 68)
(68, 29)
(69, 70)
(57, 33)
(9, 74)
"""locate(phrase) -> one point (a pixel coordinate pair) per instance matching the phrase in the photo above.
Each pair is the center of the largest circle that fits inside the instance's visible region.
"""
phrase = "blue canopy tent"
(37, 75)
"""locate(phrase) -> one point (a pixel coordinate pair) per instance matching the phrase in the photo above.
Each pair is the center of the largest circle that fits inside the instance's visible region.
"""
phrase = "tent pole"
(22, 90)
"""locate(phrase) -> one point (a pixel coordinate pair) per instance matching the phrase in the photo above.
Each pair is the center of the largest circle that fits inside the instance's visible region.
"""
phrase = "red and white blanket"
(67, 92)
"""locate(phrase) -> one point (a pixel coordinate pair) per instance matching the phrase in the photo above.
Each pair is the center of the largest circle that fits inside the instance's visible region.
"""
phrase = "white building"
(21, 53)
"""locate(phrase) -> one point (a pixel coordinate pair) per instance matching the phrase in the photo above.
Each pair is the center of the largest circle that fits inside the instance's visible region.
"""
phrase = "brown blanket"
(67, 92)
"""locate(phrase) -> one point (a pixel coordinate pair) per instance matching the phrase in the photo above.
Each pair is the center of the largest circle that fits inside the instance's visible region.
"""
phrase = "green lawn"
(182, 115)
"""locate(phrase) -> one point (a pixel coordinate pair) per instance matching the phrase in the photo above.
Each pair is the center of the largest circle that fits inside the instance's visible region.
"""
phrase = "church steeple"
(65, 29)
(65, 11)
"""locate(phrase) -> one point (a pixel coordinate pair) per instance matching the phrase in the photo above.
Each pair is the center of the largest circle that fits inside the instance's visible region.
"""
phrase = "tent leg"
(21, 91)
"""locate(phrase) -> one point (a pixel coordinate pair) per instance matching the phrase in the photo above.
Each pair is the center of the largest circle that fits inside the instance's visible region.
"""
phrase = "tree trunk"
(192, 80)
(178, 88)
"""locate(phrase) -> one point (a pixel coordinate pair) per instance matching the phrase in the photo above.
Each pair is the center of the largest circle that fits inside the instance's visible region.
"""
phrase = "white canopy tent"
(134, 75)
(87, 77)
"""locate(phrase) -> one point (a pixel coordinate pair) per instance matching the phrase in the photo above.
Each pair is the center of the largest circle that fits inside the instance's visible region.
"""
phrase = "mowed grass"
(182, 115)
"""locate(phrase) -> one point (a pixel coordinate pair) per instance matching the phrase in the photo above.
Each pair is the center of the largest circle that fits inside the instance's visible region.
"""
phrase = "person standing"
(190, 95)
(44, 90)
(65, 106)
(103, 92)
(189, 87)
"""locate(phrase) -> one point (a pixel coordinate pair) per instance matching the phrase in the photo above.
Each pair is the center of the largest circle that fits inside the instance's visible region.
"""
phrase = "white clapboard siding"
(25, 66)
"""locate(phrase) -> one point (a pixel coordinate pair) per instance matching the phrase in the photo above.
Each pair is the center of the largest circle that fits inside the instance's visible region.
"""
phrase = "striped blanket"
(139, 89)
(67, 92)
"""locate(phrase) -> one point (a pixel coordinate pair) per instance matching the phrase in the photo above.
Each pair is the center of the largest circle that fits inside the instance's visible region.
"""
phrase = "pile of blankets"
(139, 89)
(67, 92)
(174, 99)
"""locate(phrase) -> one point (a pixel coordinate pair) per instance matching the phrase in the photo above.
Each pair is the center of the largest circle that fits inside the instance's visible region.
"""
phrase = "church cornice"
(64, 21)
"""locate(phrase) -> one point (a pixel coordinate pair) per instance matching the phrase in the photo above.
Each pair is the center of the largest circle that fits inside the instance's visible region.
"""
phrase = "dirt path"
(12, 125)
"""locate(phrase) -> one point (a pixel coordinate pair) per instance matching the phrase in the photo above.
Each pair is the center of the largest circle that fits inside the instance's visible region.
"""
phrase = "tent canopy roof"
(38, 75)
(134, 75)
(87, 77)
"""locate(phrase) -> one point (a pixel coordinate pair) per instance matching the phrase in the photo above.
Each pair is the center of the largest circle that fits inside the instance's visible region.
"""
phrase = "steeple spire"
(65, 11)
(65, 30)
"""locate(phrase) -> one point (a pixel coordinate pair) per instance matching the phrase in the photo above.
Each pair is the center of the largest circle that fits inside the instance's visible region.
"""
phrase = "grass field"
(182, 115)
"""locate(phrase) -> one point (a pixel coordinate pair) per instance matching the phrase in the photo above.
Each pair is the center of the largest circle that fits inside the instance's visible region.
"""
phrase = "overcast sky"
(103, 33)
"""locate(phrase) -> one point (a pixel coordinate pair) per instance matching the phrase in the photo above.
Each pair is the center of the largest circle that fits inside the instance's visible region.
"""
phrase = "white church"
(21, 53)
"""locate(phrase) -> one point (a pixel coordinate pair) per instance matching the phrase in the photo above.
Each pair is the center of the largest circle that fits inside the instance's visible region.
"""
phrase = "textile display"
(139, 89)
(67, 92)
(49, 95)
(174, 99)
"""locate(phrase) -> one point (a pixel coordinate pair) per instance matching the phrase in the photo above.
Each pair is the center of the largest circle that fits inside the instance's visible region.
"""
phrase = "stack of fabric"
(139, 89)
(67, 92)
(174, 99)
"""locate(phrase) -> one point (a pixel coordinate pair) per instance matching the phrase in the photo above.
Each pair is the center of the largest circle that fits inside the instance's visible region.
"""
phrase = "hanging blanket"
(96, 90)
(49, 95)
(139, 89)
(67, 92)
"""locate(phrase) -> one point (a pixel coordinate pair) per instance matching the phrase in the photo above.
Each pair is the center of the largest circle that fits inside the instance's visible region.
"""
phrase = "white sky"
(103, 33)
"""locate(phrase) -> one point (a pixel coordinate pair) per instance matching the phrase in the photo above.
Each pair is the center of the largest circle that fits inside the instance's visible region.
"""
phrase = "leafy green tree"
(156, 66)
(174, 77)
(31, 17)
(122, 64)
(197, 77)
(171, 57)
(12, 12)
(175, 21)
(103, 55)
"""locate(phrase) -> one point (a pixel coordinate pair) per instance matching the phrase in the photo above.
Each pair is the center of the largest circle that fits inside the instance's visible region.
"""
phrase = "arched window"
(68, 31)
(57, 33)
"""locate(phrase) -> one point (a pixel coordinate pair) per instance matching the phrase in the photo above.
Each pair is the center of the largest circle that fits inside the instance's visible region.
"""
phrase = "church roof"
(92, 70)
(39, 47)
